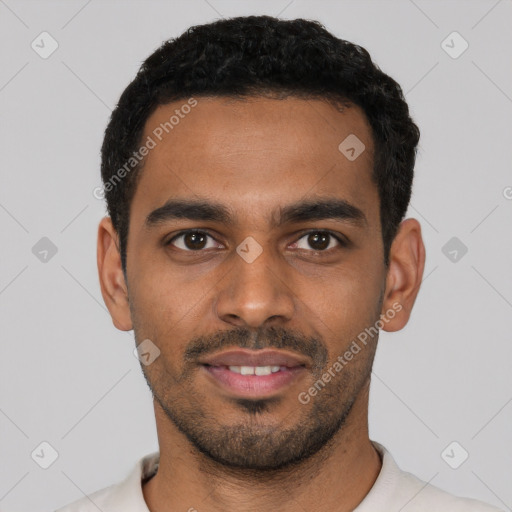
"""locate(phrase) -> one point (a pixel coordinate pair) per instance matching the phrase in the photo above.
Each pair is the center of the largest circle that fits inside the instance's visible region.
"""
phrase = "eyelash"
(339, 239)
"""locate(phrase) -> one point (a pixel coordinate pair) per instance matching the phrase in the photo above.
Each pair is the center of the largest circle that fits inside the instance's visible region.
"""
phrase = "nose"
(254, 294)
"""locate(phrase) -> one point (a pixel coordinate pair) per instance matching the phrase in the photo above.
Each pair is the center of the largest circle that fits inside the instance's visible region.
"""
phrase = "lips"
(254, 374)
(256, 358)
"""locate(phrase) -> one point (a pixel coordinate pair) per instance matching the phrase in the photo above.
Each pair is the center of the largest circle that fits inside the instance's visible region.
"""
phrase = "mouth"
(255, 374)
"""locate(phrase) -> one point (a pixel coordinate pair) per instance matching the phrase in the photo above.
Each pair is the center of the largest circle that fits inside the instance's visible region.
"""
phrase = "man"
(257, 173)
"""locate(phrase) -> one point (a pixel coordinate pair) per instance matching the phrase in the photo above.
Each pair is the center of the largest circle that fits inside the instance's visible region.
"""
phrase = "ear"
(112, 281)
(405, 272)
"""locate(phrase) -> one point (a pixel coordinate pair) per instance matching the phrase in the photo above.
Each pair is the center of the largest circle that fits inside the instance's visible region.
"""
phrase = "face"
(254, 260)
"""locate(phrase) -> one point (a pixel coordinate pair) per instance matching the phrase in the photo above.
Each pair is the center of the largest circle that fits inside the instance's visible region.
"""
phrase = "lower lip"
(254, 385)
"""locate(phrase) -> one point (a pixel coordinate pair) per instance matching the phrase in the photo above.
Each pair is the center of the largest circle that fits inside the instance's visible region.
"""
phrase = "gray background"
(69, 378)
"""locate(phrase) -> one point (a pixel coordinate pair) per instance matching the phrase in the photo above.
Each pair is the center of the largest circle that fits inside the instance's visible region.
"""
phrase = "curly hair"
(260, 56)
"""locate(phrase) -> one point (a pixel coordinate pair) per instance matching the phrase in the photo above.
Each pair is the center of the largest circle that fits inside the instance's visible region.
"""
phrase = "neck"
(336, 478)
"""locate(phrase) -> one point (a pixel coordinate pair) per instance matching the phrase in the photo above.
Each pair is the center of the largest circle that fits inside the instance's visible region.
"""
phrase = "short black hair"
(260, 56)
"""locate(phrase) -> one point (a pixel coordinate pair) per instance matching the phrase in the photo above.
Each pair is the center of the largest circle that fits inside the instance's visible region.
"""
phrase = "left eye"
(318, 241)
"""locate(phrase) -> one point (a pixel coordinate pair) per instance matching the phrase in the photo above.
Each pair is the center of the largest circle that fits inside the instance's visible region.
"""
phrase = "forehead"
(255, 153)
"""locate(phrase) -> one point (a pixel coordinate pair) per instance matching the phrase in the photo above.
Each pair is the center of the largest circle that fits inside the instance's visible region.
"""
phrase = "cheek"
(353, 285)
(344, 304)
(168, 308)
(167, 293)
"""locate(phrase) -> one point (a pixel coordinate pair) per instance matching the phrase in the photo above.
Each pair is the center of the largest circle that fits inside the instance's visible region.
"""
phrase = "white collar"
(128, 495)
(393, 490)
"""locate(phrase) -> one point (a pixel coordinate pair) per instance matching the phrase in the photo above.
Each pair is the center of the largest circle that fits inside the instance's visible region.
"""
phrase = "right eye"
(192, 241)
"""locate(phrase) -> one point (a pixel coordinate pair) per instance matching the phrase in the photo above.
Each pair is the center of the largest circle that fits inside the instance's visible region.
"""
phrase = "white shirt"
(393, 491)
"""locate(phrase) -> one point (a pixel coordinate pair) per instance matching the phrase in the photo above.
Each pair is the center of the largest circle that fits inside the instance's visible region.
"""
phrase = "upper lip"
(264, 357)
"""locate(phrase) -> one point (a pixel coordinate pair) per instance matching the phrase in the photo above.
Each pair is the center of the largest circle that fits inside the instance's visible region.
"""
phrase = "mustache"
(271, 337)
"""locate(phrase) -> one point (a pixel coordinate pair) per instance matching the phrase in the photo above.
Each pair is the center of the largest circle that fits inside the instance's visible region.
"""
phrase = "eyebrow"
(302, 211)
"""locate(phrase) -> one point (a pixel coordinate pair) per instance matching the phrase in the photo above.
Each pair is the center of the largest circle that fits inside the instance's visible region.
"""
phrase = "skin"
(256, 156)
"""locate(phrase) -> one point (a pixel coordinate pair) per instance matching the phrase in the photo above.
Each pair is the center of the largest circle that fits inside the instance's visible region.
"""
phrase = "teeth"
(254, 370)
(247, 370)
(262, 370)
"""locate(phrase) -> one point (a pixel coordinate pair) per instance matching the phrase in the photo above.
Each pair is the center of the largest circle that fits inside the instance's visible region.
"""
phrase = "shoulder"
(420, 496)
(92, 502)
(120, 497)
(395, 489)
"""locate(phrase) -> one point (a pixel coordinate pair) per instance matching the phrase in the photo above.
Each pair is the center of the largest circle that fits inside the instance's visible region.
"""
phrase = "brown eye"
(318, 241)
(191, 241)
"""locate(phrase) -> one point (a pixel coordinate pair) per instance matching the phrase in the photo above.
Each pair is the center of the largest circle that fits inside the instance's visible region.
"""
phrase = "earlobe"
(405, 272)
(110, 272)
